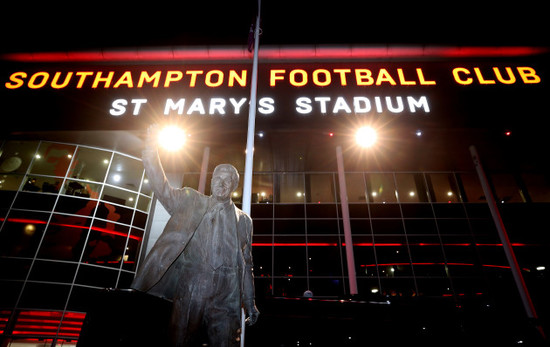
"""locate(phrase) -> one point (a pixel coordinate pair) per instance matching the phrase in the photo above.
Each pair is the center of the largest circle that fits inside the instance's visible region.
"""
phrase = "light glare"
(365, 137)
(171, 138)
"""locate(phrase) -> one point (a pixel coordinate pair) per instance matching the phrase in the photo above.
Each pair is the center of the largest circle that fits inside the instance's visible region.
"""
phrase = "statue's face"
(222, 185)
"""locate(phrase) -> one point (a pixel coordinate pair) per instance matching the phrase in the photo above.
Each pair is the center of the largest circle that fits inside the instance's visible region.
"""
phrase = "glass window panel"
(53, 271)
(14, 269)
(385, 211)
(52, 159)
(506, 188)
(42, 184)
(420, 226)
(10, 182)
(146, 187)
(427, 256)
(262, 226)
(10, 293)
(289, 211)
(365, 263)
(392, 256)
(144, 203)
(33, 201)
(453, 226)
(320, 188)
(16, 156)
(472, 188)
(106, 244)
(411, 188)
(433, 286)
(325, 257)
(96, 276)
(290, 226)
(262, 211)
(140, 219)
(357, 210)
(262, 261)
(387, 226)
(289, 256)
(321, 210)
(327, 286)
(322, 226)
(45, 296)
(381, 188)
(355, 184)
(291, 188)
(398, 287)
(81, 188)
(125, 172)
(537, 186)
(119, 196)
(447, 210)
(289, 287)
(80, 206)
(21, 233)
(418, 210)
(359, 226)
(64, 238)
(262, 188)
(131, 255)
(444, 188)
(114, 213)
(90, 164)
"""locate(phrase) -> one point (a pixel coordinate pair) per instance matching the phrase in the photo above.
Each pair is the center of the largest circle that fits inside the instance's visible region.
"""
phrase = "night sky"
(97, 25)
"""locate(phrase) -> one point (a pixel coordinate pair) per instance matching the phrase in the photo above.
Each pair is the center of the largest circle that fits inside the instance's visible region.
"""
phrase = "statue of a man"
(203, 259)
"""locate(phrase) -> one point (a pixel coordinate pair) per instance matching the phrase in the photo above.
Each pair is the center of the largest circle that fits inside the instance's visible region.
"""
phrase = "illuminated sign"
(135, 93)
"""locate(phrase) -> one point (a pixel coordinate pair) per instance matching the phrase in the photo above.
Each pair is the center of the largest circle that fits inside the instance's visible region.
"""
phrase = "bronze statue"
(202, 261)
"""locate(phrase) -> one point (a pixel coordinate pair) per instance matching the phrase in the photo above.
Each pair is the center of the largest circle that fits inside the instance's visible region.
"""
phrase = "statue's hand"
(252, 314)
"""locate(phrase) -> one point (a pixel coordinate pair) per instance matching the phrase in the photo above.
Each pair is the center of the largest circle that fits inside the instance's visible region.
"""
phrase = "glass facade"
(72, 219)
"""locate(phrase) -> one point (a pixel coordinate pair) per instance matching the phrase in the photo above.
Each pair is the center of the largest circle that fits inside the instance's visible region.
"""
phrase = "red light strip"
(102, 230)
(370, 244)
(273, 53)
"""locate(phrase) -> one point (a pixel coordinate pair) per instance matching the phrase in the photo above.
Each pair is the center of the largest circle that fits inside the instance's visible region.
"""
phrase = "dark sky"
(87, 25)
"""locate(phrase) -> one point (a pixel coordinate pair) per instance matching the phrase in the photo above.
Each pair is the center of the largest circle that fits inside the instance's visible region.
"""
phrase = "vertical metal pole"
(204, 169)
(506, 245)
(249, 160)
(345, 218)
(247, 184)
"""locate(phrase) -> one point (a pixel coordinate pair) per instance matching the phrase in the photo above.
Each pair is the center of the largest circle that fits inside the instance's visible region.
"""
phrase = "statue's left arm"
(248, 296)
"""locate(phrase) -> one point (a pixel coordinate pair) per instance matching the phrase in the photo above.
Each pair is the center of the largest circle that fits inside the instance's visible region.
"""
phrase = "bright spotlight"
(171, 138)
(365, 136)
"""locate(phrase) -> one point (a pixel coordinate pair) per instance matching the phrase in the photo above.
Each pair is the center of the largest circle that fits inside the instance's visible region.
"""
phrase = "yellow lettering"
(17, 79)
(327, 78)
(194, 74)
(126, 79)
(528, 75)
(274, 76)
(422, 79)
(38, 75)
(384, 76)
(145, 78)
(292, 78)
(402, 80)
(172, 76)
(100, 79)
(65, 82)
(511, 78)
(233, 76)
(83, 75)
(480, 77)
(209, 78)
(457, 78)
(363, 77)
(342, 72)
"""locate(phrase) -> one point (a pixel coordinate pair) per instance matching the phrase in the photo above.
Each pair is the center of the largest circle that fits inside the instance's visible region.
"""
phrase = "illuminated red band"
(274, 53)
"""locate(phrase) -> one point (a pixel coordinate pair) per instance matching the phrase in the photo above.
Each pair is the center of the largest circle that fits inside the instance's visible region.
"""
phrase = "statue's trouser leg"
(223, 311)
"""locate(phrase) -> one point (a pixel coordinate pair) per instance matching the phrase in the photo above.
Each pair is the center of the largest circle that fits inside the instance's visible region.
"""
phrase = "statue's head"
(225, 180)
